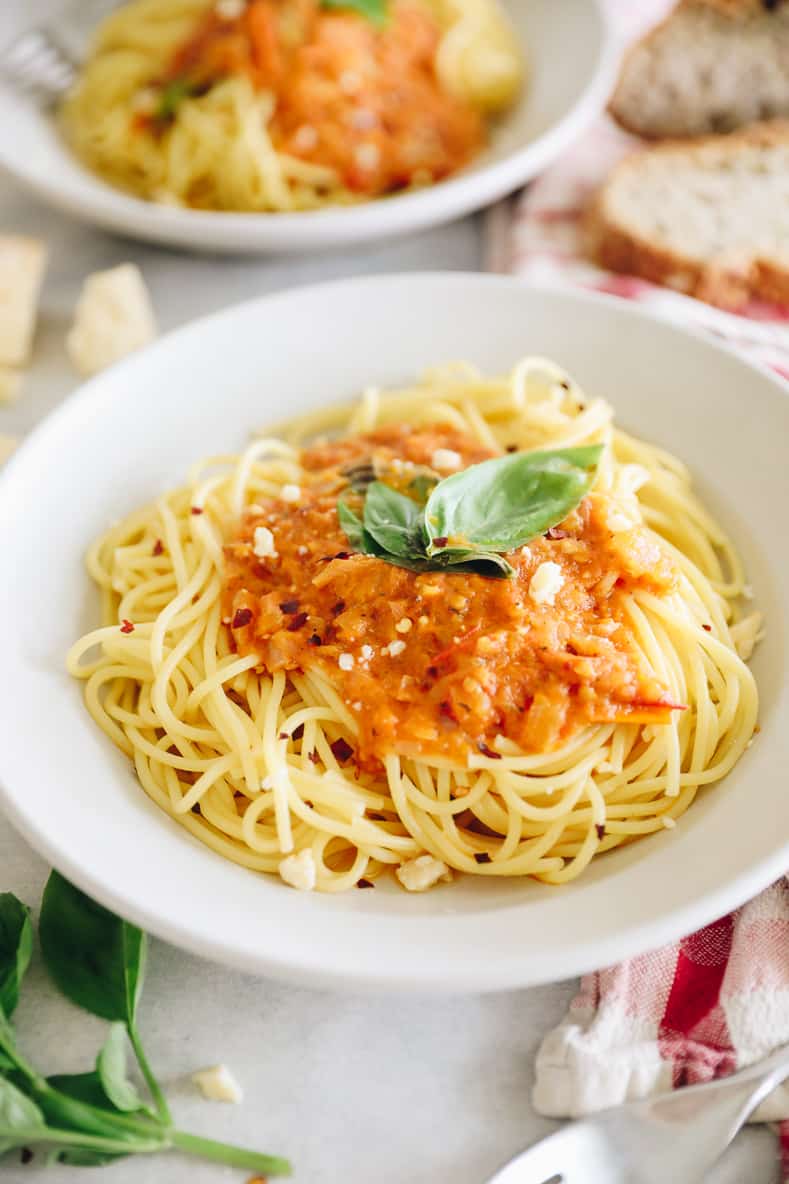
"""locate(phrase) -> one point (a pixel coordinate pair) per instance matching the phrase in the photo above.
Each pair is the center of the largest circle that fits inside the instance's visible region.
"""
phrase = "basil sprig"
(91, 1118)
(372, 10)
(473, 518)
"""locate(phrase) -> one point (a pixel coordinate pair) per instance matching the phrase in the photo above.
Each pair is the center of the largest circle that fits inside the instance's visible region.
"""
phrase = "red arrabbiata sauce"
(362, 99)
(441, 664)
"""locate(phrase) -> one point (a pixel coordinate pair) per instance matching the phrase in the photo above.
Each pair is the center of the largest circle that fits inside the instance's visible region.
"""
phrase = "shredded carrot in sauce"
(360, 99)
(440, 664)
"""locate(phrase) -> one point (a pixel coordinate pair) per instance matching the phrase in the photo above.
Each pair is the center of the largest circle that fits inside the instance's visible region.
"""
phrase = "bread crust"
(735, 11)
(728, 283)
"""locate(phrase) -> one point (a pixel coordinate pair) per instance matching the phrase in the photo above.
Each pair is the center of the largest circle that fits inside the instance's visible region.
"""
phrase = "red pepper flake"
(289, 607)
(298, 732)
(342, 750)
(126, 626)
(442, 541)
(556, 533)
(196, 510)
(196, 808)
(296, 622)
(447, 710)
(512, 448)
(158, 547)
(314, 640)
(482, 857)
(243, 617)
(313, 756)
(365, 884)
(494, 756)
(234, 697)
(338, 608)
(457, 645)
(707, 628)
(600, 830)
(339, 555)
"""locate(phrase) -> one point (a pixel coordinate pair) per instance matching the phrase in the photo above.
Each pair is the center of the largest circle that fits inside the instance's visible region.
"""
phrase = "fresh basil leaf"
(16, 946)
(81, 1087)
(481, 563)
(6, 1064)
(394, 521)
(501, 504)
(351, 524)
(19, 1116)
(373, 10)
(77, 1102)
(171, 98)
(111, 1071)
(96, 959)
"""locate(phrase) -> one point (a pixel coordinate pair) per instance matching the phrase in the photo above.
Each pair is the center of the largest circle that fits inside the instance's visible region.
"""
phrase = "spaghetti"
(228, 665)
(276, 105)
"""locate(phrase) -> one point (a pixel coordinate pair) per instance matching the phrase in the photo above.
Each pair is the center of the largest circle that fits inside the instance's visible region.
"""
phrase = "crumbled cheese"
(305, 138)
(267, 783)
(668, 822)
(218, 1084)
(404, 626)
(229, 10)
(367, 652)
(357, 706)
(290, 493)
(417, 875)
(747, 633)
(345, 662)
(363, 120)
(546, 582)
(395, 647)
(617, 520)
(423, 620)
(368, 156)
(22, 264)
(350, 81)
(8, 444)
(299, 870)
(263, 543)
(113, 318)
(303, 550)
(446, 460)
(145, 101)
(10, 384)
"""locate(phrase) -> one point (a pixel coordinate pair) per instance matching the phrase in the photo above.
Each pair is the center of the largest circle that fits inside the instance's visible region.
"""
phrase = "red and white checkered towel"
(719, 999)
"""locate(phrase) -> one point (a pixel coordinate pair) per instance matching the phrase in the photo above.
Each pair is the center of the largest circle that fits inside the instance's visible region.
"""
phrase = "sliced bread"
(711, 66)
(709, 217)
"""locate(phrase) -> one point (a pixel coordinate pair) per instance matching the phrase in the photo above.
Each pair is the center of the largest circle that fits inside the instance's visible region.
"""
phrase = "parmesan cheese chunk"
(218, 1084)
(113, 318)
(10, 385)
(546, 582)
(22, 264)
(417, 875)
(299, 870)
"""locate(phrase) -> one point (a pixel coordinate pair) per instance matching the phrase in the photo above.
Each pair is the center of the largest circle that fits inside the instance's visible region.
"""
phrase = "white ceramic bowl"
(572, 61)
(134, 431)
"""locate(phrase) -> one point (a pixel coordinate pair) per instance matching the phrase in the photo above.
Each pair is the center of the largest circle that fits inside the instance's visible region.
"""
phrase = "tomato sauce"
(359, 98)
(442, 664)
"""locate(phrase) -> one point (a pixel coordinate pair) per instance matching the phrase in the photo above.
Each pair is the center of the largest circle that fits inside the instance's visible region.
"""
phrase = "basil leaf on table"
(98, 961)
(111, 1072)
(500, 504)
(20, 1118)
(16, 946)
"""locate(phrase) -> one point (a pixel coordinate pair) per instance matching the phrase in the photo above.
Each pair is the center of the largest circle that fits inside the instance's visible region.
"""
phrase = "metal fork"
(675, 1137)
(43, 61)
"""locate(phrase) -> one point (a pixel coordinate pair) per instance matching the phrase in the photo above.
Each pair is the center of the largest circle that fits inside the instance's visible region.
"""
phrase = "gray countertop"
(354, 1089)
